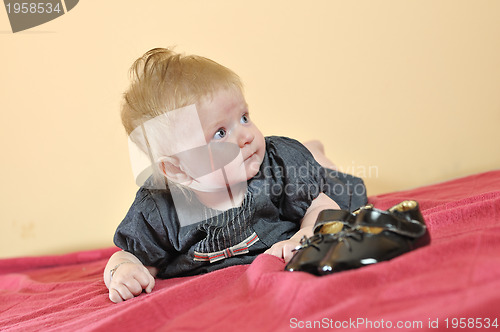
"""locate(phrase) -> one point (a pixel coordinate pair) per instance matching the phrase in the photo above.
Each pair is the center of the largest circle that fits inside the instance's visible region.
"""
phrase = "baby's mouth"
(250, 156)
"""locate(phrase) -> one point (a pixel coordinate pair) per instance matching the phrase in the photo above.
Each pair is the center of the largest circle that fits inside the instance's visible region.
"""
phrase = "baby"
(220, 192)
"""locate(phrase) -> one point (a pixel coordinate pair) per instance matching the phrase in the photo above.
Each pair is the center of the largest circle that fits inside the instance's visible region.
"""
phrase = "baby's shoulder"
(286, 148)
(153, 204)
(282, 143)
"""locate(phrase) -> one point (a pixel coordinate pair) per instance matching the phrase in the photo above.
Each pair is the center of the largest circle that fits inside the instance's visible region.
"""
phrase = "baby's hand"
(128, 280)
(283, 249)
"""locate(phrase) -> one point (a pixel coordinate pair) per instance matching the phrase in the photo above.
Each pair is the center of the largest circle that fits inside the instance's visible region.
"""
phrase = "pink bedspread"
(455, 280)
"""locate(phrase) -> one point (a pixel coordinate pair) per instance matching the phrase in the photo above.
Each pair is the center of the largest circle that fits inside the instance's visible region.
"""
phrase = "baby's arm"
(126, 277)
(283, 249)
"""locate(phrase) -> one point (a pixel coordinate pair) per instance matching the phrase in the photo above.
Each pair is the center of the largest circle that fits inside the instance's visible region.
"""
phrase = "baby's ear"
(173, 170)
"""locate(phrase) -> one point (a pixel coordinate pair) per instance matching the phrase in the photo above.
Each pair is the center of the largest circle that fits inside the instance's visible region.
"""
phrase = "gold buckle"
(365, 207)
(404, 206)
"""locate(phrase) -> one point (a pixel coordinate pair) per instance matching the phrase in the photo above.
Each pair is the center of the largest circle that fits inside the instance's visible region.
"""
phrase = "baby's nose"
(245, 136)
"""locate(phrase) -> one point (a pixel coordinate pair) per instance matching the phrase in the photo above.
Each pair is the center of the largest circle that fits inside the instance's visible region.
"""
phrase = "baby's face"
(225, 118)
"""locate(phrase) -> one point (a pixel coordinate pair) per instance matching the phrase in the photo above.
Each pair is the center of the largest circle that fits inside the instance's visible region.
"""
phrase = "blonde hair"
(163, 80)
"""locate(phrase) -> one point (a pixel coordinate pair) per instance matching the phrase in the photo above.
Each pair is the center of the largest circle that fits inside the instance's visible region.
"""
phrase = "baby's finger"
(142, 278)
(275, 250)
(270, 251)
(151, 284)
(134, 286)
(114, 296)
(287, 252)
(123, 292)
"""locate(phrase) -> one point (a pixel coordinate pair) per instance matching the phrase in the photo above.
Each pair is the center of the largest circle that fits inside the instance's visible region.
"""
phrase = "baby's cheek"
(253, 167)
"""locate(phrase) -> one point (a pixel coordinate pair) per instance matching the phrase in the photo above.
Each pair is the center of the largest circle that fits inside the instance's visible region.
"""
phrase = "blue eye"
(245, 118)
(221, 133)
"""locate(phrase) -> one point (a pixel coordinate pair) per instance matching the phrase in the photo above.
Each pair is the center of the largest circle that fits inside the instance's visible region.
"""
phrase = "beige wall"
(404, 93)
